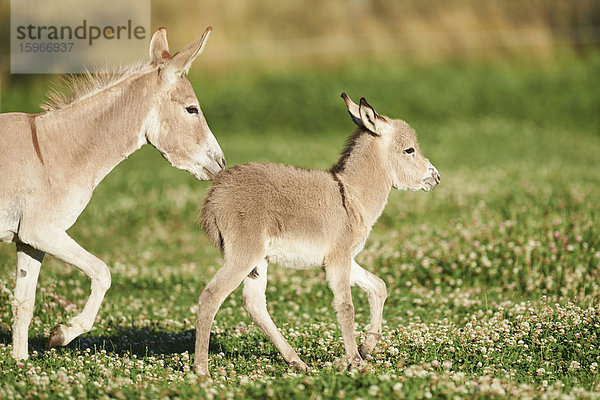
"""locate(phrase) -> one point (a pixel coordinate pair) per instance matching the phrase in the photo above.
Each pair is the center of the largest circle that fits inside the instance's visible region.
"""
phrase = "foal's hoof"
(364, 350)
(57, 337)
(345, 363)
(367, 347)
(355, 362)
(298, 365)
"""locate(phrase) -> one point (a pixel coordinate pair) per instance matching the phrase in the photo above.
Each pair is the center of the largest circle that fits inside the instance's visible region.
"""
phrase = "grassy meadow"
(493, 278)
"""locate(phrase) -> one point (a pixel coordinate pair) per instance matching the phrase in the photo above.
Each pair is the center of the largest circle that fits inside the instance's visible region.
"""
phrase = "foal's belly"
(295, 253)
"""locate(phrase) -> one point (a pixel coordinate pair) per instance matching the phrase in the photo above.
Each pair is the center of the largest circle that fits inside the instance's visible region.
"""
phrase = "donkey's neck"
(363, 172)
(88, 138)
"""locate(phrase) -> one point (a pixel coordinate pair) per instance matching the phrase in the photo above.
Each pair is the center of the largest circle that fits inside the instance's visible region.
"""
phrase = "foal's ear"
(368, 116)
(159, 47)
(353, 110)
(181, 62)
(363, 116)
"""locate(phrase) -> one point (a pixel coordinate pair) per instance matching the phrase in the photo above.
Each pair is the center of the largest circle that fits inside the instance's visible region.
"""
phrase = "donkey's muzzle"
(220, 162)
(216, 167)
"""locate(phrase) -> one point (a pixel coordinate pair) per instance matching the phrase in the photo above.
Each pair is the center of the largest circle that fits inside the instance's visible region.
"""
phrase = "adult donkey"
(52, 162)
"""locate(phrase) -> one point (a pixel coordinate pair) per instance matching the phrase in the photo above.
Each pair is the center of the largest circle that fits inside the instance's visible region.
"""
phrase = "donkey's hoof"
(298, 365)
(201, 372)
(57, 337)
(19, 355)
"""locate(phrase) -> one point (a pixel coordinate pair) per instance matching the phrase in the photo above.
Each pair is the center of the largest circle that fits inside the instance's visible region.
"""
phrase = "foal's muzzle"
(432, 178)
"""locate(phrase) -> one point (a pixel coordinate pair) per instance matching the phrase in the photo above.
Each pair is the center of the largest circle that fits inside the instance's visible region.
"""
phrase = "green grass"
(493, 278)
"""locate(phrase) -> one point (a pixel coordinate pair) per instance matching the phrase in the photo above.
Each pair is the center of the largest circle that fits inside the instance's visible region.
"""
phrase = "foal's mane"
(76, 87)
(351, 143)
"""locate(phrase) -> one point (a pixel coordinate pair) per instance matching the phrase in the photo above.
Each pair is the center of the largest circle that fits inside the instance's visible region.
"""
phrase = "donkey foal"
(260, 213)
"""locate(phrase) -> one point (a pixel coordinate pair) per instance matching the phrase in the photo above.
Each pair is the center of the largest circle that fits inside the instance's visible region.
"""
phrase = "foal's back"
(272, 203)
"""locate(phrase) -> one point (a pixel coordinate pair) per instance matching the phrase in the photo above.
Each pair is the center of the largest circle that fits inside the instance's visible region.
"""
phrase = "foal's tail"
(208, 221)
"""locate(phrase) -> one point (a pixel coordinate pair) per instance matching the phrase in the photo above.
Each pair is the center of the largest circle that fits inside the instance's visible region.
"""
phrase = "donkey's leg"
(61, 246)
(237, 265)
(29, 261)
(374, 288)
(255, 302)
(338, 275)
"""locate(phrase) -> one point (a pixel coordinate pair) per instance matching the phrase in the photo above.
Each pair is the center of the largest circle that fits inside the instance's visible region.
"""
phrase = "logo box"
(68, 36)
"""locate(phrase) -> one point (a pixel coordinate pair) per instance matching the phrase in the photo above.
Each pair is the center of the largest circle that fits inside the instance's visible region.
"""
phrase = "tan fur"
(259, 213)
(52, 162)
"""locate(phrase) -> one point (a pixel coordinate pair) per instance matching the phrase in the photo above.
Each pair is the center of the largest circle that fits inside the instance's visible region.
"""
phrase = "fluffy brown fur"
(259, 213)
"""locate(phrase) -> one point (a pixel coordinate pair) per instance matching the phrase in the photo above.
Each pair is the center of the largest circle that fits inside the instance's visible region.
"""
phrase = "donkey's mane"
(76, 87)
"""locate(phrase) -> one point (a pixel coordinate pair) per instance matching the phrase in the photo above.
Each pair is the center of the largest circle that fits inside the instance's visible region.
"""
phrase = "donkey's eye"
(409, 150)
(192, 109)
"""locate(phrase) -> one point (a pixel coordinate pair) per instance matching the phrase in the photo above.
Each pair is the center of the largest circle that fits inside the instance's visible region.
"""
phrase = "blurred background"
(279, 53)
(268, 34)
(337, 31)
(316, 32)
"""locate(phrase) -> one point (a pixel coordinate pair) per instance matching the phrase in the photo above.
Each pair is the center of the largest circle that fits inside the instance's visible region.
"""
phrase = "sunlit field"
(493, 278)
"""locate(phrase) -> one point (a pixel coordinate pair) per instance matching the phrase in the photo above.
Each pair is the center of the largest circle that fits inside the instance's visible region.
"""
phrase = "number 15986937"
(34, 47)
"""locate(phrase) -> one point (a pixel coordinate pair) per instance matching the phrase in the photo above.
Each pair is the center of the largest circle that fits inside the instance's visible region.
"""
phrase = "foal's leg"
(255, 302)
(338, 275)
(237, 266)
(61, 246)
(376, 292)
(29, 261)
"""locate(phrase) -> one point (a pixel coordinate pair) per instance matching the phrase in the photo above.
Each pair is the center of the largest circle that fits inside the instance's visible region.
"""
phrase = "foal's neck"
(361, 168)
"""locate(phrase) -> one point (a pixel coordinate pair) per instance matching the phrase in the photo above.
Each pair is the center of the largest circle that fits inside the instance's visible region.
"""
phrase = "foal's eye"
(409, 150)
(192, 109)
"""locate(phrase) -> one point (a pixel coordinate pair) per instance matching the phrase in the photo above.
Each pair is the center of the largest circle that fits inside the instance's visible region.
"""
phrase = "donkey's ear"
(181, 62)
(159, 47)
(353, 110)
(368, 117)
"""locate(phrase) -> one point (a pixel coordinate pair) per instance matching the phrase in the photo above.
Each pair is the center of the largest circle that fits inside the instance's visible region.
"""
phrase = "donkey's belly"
(298, 254)
(9, 222)
(6, 236)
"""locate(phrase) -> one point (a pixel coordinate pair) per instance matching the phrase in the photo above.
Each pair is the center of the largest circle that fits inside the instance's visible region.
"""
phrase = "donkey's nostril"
(222, 162)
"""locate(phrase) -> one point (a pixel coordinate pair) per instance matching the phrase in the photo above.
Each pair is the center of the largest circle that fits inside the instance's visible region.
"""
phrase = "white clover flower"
(373, 390)
(574, 365)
